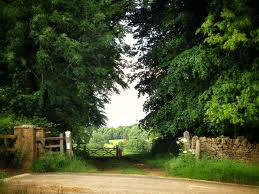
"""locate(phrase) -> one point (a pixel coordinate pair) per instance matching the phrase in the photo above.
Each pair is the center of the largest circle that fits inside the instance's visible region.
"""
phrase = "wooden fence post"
(61, 143)
(68, 143)
(5, 143)
(118, 151)
(40, 141)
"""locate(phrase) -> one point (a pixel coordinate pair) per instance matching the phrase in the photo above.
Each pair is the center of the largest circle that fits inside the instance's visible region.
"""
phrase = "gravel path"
(101, 183)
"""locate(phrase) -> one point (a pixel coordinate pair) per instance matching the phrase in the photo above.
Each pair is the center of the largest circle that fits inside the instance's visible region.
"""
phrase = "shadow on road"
(124, 165)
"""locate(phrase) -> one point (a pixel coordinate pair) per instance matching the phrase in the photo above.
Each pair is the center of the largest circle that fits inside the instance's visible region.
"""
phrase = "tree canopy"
(202, 58)
(61, 59)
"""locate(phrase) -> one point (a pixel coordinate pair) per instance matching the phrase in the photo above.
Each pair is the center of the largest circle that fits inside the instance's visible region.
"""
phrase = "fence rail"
(54, 138)
(7, 136)
(6, 146)
(7, 150)
(32, 141)
(51, 146)
(101, 151)
(105, 151)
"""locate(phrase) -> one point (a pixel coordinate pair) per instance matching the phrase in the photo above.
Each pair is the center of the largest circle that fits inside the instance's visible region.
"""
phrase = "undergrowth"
(3, 175)
(186, 166)
(52, 162)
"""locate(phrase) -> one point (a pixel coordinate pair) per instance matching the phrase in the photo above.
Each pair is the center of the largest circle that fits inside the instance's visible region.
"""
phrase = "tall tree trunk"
(46, 103)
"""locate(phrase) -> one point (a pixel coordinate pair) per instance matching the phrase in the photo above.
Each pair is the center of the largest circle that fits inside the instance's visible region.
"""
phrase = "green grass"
(218, 170)
(113, 143)
(117, 165)
(3, 175)
(78, 165)
(186, 166)
(117, 141)
(61, 163)
(107, 145)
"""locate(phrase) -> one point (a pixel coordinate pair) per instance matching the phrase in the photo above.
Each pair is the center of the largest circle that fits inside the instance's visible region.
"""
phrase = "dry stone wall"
(226, 148)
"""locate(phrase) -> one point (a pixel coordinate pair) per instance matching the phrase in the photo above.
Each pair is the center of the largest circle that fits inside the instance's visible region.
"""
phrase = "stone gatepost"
(194, 139)
(186, 136)
(26, 143)
(198, 149)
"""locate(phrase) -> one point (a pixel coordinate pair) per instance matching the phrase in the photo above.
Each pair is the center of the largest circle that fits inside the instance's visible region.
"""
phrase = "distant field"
(112, 143)
(107, 145)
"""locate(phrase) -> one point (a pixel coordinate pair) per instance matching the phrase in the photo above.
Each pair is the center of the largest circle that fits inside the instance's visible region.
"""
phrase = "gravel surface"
(101, 183)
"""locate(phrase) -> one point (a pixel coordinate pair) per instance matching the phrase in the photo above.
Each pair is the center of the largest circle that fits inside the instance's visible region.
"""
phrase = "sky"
(125, 108)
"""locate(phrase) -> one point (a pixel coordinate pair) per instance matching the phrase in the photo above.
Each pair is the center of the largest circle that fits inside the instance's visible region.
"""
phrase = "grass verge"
(3, 175)
(60, 163)
(117, 165)
(53, 162)
(186, 166)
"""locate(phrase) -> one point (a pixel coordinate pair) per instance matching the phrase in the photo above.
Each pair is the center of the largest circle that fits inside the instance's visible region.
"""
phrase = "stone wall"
(225, 148)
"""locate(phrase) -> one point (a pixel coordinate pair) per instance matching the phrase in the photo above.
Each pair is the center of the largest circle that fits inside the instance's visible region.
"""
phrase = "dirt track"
(100, 183)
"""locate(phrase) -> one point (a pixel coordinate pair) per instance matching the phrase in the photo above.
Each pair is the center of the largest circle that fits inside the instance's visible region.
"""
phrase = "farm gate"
(117, 151)
(31, 142)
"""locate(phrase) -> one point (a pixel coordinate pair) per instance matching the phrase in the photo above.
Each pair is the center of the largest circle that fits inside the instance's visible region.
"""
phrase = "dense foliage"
(61, 163)
(60, 59)
(136, 139)
(202, 61)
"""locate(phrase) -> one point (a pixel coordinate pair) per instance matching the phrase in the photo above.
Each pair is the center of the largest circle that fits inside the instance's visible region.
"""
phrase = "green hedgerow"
(56, 162)
(50, 162)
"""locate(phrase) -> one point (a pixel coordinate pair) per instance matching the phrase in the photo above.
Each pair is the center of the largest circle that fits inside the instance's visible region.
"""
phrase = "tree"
(171, 33)
(60, 60)
(136, 139)
(233, 26)
(203, 66)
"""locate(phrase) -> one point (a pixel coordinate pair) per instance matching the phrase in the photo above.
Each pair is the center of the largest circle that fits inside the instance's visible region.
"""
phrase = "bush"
(79, 165)
(53, 162)
(136, 145)
(166, 145)
(8, 122)
(10, 159)
(81, 153)
(139, 141)
(3, 175)
(50, 162)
